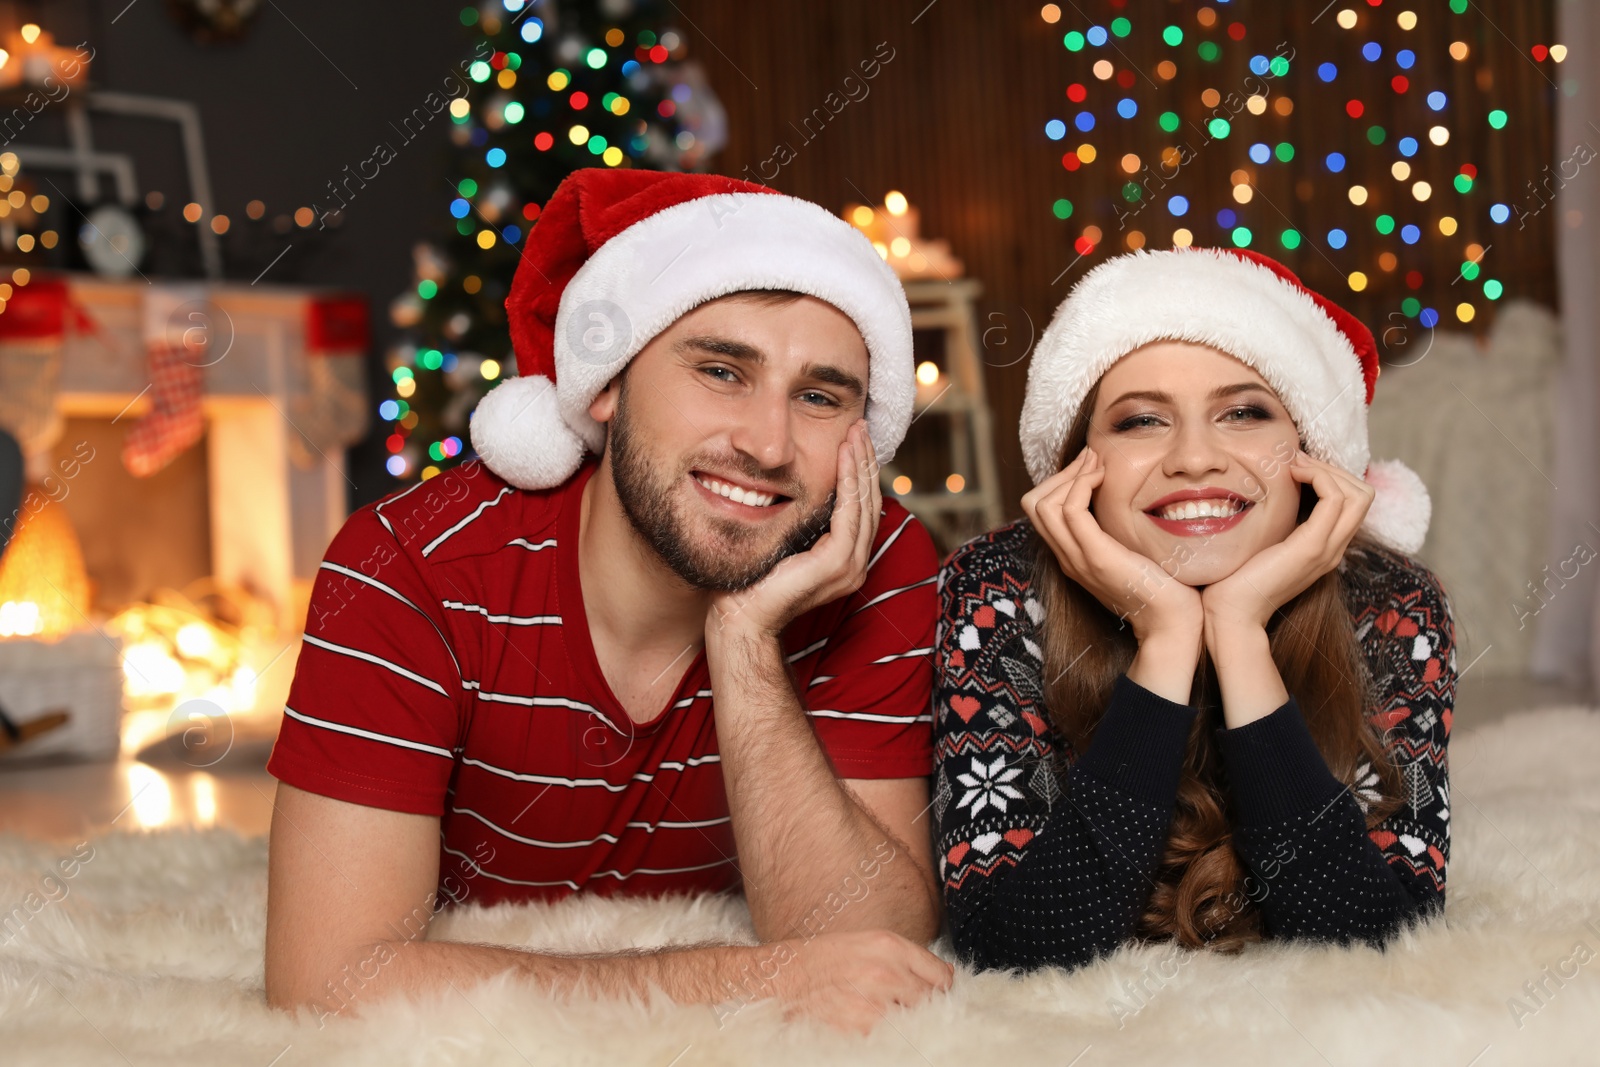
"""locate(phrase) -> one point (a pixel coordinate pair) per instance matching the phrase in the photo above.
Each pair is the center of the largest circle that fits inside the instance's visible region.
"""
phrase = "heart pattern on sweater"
(965, 706)
(1393, 622)
(985, 842)
(1388, 720)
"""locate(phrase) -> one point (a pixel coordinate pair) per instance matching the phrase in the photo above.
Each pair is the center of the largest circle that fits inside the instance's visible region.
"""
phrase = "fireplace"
(192, 582)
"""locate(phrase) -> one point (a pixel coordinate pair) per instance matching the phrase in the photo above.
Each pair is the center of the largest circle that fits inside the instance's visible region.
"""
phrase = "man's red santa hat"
(618, 256)
(1319, 359)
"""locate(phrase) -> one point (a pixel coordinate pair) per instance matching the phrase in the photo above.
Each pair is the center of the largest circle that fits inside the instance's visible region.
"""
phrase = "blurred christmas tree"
(554, 85)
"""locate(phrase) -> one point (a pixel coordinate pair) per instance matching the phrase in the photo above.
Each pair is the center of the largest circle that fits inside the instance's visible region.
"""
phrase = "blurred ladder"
(957, 399)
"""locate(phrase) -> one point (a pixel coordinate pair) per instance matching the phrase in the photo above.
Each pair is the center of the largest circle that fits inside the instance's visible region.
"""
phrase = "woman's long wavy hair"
(1201, 898)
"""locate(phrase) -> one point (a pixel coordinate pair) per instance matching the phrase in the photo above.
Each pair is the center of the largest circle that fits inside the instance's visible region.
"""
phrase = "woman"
(1202, 692)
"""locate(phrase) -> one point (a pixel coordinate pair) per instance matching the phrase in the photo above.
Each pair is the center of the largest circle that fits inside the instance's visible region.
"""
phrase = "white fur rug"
(153, 956)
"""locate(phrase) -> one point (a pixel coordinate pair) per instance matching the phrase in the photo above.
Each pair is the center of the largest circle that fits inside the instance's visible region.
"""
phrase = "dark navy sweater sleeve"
(1046, 858)
(1322, 873)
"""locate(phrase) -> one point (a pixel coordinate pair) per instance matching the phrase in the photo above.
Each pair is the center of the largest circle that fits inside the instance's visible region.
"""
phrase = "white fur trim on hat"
(657, 270)
(518, 432)
(1401, 509)
(1213, 298)
(1205, 297)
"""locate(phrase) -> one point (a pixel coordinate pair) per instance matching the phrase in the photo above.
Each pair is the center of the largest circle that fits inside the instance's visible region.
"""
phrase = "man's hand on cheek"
(835, 566)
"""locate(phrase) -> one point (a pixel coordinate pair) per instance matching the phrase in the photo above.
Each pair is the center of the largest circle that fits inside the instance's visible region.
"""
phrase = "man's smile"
(738, 497)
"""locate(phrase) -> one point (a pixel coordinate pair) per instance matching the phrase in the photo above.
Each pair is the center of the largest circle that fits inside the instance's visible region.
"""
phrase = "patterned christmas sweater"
(1048, 855)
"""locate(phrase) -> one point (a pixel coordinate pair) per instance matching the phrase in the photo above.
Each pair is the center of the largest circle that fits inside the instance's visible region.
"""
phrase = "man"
(506, 688)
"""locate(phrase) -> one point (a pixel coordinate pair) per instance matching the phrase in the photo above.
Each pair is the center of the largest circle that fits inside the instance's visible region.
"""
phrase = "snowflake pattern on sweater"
(1047, 855)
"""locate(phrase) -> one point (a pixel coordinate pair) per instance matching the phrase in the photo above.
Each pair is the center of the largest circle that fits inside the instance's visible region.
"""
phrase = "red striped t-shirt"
(447, 670)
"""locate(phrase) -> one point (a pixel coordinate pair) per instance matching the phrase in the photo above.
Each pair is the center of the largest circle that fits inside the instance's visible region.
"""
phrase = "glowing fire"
(174, 650)
(44, 590)
(171, 654)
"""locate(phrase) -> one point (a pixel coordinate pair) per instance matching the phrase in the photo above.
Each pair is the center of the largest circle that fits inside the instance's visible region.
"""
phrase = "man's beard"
(649, 507)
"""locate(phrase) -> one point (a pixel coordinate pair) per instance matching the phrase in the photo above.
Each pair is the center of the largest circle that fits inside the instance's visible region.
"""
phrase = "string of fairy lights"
(1107, 91)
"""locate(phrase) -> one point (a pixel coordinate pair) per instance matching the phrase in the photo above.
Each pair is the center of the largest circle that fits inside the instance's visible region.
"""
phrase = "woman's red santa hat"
(618, 256)
(1321, 361)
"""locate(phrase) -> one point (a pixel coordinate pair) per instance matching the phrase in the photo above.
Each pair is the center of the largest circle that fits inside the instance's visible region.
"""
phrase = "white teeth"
(1202, 509)
(738, 495)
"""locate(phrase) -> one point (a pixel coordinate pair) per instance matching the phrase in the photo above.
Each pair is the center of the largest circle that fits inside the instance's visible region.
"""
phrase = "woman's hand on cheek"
(1278, 573)
(1130, 585)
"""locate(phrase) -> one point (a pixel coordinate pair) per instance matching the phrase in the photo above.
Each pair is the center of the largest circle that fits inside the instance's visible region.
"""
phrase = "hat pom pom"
(1401, 508)
(518, 432)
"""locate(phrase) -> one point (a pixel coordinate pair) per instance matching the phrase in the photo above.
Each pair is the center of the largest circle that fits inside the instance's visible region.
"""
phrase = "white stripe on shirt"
(464, 523)
(502, 831)
(512, 620)
(669, 824)
(915, 652)
(864, 716)
(612, 787)
(549, 702)
(665, 870)
(338, 569)
(548, 779)
(609, 839)
(549, 542)
(378, 509)
(692, 761)
(597, 874)
(358, 576)
(338, 727)
(889, 541)
(356, 653)
(481, 869)
(804, 652)
(881, 597)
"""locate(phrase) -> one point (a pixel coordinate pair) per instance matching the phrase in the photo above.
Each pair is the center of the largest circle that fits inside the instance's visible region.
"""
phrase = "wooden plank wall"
(954, 117)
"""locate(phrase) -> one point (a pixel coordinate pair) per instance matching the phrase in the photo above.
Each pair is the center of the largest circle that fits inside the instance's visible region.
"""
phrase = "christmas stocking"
(330, 410)
(177, 337)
